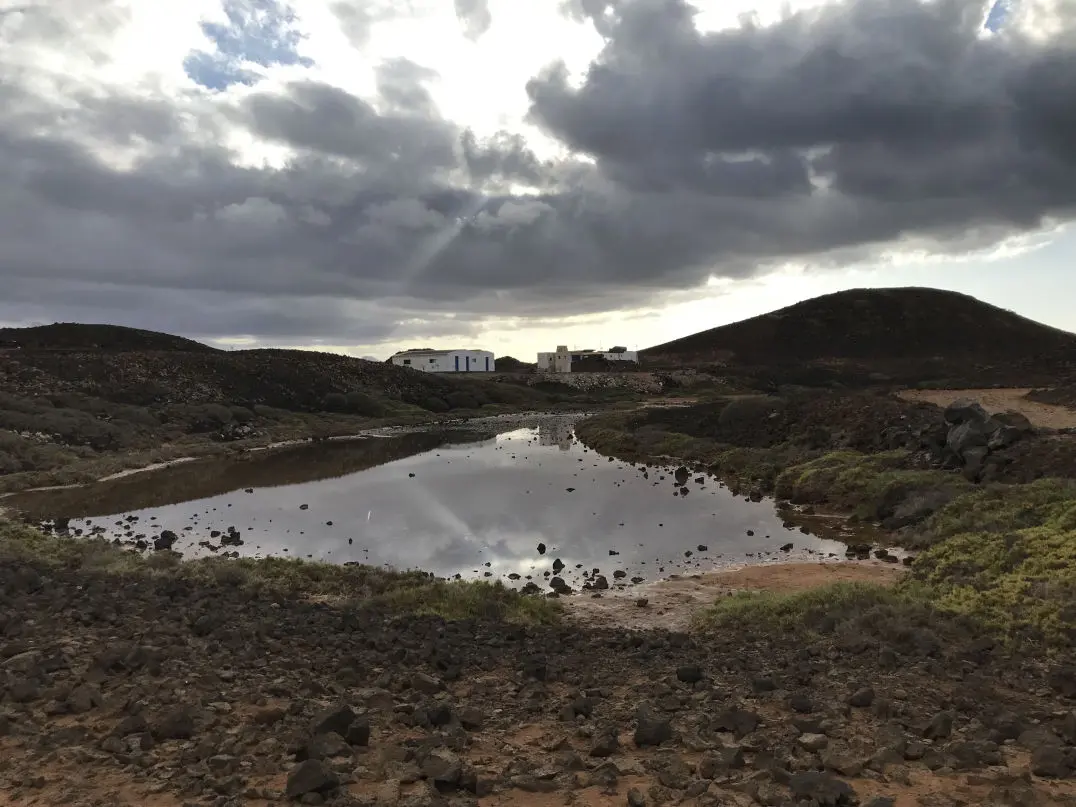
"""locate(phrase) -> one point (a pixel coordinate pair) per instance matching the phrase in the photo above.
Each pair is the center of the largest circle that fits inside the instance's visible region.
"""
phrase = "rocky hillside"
(77, 336)
(913, 334)
(72, 394)
(142, 368)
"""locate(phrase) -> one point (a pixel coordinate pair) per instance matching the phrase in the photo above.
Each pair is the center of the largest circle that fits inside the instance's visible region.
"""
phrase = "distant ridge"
(109, 338)
(872, 324)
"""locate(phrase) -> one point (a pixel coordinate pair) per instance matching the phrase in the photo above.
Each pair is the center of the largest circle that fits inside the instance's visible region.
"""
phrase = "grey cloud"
(402, 84)
(819, 138)
(358, 18)
(324, 119)
(915, 122)
(504, 157)
(474, 16)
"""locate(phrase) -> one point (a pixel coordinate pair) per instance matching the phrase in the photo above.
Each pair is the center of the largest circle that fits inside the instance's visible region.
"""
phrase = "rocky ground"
(162, 691)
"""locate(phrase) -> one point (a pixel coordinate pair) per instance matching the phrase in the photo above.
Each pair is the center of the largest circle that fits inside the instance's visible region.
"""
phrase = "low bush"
(357, 586)
(434, 404)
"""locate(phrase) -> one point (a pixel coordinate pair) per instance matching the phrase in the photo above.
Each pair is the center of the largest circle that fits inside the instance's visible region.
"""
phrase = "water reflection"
(555, 433)
(478, 510)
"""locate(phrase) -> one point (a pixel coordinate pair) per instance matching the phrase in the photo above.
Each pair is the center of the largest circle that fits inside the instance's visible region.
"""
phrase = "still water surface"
(476, 509)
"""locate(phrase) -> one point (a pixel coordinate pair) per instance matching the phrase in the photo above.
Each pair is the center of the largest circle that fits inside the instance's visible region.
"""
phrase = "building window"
(407, 361)
(433, 361)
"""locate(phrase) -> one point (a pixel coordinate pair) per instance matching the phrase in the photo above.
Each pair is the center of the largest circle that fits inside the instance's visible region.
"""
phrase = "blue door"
(457, 364)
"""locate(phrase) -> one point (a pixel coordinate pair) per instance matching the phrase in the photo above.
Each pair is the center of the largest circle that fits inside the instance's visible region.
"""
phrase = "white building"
(445, 361)
(560, 360)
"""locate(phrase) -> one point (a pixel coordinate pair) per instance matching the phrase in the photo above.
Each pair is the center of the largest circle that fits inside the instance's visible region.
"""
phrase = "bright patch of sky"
(256, 34)
(998, 14)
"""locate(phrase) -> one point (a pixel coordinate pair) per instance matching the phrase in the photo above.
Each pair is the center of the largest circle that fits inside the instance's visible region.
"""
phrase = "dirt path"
(673, 603)
(998, 400)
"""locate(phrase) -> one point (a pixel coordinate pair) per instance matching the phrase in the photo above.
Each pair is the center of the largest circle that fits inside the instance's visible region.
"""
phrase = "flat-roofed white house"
(561, 360)
(445, 361)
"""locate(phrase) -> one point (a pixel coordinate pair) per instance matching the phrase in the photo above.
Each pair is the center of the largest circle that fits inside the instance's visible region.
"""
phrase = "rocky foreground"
(156, 690)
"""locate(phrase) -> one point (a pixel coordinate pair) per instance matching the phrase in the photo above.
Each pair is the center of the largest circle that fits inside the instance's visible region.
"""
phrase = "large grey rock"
(963, 410)
(1012, 419)
(970, 434)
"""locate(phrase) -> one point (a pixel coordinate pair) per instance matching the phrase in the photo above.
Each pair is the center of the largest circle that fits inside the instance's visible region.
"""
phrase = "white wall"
(558, 362)
(474, 361)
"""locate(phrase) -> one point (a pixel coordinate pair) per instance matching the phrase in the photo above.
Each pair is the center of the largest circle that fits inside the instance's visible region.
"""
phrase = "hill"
(72, 394)
(78, 336)
(914, 333)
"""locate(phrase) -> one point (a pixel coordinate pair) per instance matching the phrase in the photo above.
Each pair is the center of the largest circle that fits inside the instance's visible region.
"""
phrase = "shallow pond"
(476, 509)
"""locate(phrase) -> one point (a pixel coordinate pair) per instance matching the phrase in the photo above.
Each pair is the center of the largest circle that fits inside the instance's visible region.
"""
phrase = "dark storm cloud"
(823, 138)
(897, 102)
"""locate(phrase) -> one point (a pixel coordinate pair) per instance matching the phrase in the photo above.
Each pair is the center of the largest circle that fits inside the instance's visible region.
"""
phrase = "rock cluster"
(974, 437)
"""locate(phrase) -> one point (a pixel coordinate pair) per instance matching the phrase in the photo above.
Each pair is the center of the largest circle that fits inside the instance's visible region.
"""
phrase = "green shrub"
(240, 414)
(335, 402)
(359, 403)
(461, 400)
(434, 404)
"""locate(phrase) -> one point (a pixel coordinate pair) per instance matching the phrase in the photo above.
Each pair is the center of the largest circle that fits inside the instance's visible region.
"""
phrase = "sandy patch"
(998, 400)
(673, 603)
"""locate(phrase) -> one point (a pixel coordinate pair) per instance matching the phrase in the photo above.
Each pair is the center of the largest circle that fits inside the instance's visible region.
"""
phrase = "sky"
(371, 175)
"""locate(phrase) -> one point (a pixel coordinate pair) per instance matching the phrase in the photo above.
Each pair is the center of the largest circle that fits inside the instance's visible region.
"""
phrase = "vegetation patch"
(1002, 557)
(357, 586)
(1007, 554)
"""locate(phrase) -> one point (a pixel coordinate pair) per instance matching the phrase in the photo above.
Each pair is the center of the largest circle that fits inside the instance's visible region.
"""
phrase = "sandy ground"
(998, 400)
(672, 603)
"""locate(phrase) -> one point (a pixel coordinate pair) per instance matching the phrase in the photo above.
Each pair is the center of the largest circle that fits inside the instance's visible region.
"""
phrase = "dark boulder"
(310, 776)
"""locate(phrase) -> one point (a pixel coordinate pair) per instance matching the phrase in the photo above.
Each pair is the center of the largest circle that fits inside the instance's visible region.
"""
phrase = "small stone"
(763, 684)
(442, 767)
(862, 698)
(310, 776)
(1049, 761)
(335, 719)
(651, 729)
(822, 788)
(427, 684)
(812, 742)
(642, 602)
(83, 698)
(358, 733)
(175, 725)
(606, 745)
(689, 673)
(940, 727)
(472, 719)
(636, 798)
(325, 746)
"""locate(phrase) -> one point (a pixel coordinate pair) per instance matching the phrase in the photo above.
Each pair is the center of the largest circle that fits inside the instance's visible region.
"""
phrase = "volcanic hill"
(908, 334)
